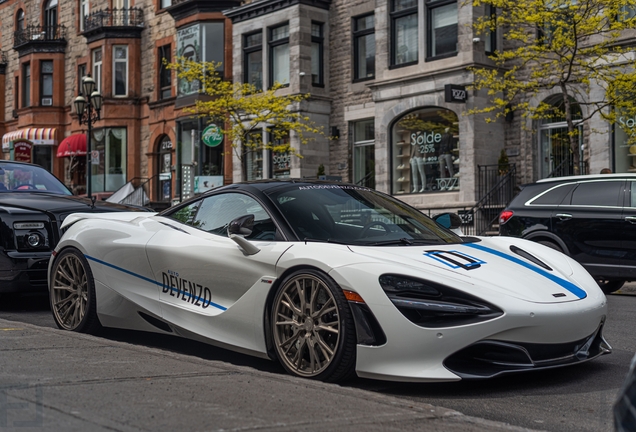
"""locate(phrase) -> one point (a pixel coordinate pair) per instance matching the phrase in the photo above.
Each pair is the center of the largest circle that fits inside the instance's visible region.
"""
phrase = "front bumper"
(490, 358)
(23, 272)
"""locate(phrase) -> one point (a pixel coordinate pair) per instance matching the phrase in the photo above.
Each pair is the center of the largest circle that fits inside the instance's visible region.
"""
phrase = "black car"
(33, 204)
(591, 218)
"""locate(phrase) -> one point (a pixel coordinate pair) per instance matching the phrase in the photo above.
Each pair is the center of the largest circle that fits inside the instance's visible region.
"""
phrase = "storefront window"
(624, 151)
(425, 156)
(364, 153)
(253, 159)
(109, 172)
(280, 161)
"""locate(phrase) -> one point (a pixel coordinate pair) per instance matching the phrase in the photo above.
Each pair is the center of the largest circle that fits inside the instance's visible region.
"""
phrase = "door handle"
(631, 219)
(565, 216)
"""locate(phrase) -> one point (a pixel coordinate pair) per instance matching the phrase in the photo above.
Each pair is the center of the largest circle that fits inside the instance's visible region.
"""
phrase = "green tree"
(245, 110)
(573, 46)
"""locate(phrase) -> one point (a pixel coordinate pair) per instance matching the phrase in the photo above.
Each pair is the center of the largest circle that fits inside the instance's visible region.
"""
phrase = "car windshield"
(355, 215)
(15, 177)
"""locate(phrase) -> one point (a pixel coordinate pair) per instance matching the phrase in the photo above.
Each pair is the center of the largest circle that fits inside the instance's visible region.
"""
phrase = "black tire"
(312, 338)
(609, 286)
(72, 293)
(551, 245)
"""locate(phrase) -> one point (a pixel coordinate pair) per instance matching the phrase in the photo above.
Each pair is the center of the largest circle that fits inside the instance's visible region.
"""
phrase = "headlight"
(34, 240)
(28, 225)
(31, 236)
(433, 305)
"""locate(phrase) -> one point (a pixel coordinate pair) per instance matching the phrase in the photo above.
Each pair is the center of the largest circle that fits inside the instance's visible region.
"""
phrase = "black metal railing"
(496, 188)
(566, 168)
(140, 196)
(124, 17)
(39, 33)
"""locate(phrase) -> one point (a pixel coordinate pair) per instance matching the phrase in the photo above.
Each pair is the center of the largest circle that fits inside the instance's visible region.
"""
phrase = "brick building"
(143, 133)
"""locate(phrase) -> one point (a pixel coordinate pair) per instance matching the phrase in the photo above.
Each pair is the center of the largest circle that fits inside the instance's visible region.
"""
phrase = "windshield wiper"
(307, 239)
(403, 241)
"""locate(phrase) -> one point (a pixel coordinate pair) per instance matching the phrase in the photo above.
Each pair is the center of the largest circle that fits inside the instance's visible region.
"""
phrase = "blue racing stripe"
(562, 282)
(152, 281)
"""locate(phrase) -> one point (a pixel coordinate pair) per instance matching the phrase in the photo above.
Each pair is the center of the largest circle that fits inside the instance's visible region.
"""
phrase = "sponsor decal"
(188, 291)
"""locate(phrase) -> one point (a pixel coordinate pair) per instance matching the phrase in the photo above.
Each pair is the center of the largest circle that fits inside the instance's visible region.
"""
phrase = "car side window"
(186, 214)
(553, 196)
(217, 211)
(598, 193)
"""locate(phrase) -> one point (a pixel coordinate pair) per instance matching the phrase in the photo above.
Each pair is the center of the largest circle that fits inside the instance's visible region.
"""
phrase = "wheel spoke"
(63, 288)
(290, 304)
(329, 306)
(326, 350)
(314, 293)
(327, 328)
(301, 295)
(63, 302)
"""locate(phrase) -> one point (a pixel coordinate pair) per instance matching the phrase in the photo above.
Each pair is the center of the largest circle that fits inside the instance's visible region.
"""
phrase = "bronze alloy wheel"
(72, 293)
(313, 328)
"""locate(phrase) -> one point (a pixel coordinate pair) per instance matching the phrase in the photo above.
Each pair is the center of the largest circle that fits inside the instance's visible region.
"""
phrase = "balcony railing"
(124, 17)
(38, 33)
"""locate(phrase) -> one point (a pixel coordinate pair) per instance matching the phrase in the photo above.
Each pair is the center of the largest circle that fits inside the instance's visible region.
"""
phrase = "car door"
(629, 229)
(200, 270)
(590, 223)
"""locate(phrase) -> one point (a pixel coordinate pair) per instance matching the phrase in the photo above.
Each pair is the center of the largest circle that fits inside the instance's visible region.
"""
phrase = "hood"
(56, 203)
(514, 267)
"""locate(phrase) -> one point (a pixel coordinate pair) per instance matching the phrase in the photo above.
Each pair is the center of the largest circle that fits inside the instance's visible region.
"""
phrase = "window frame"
(358, 35)
(490, 44)
(20, 19)
(42, 78)
(82, 71)
(394, 17)
(251, 49)
(274, 44)
(320, 40)
(126, 68)
(84, 11)
(165, 74)
(430, 5)
(26, 84)
(97, 68)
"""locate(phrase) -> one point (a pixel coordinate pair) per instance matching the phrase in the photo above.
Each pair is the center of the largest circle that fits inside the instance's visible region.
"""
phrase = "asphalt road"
(576, 398)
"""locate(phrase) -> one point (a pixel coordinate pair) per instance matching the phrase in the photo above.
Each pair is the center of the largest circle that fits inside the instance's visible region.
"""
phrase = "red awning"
(73, 145)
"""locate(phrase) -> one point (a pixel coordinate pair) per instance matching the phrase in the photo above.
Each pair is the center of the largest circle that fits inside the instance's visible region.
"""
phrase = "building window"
(81, 73)
(253, 59)
(26, 85)
(110, 173)
(279, 55)
(19, 24)
(97, 69)
(120, 70)
(200, 42)
(165, 3)
(404, 46)
(46, 82)
(364, 153)
(442, 28)
(84, 10)
(280, 162)
(165, 77)
(364, 47)
(15, 96)
(491, 33)
(425, 152)
(50, 19)
(317, 49)
(253, 157)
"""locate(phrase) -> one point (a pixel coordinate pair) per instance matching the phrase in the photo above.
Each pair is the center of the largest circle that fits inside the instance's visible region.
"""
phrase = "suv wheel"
(609, 286)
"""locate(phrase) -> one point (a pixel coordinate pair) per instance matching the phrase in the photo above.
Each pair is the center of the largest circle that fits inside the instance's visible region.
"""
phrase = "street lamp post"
(87, 106)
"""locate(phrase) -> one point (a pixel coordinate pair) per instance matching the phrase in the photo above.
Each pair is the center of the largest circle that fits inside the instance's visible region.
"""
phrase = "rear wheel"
(312, 327)
(72, 293)
(609, 286)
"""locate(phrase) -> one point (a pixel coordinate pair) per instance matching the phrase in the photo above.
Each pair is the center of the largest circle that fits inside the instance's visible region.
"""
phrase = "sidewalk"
(55, 380)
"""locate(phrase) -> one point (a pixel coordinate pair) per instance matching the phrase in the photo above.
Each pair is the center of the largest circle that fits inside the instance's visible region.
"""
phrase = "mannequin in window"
(417, 168)
(445, 156)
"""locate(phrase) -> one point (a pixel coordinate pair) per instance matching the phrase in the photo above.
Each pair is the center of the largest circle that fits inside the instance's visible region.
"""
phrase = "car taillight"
(505, 216)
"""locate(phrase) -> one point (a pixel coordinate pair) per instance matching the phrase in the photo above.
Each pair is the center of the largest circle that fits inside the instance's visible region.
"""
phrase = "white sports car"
(330, 279)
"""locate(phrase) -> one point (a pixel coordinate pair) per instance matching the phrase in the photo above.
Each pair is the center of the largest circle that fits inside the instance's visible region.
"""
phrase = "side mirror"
(450, 221)
(239, 227)
(242, 225)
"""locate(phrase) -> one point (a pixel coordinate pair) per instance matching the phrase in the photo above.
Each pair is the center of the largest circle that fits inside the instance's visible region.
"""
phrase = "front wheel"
(609, 286)
(72, 293)
(312, 327)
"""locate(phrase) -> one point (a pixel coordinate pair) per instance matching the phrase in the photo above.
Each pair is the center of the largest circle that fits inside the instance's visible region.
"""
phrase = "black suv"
(591, 218)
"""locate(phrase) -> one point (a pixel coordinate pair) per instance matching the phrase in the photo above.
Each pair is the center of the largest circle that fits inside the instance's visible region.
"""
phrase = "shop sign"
(455, 93)
(94, 157)
(22, 151)
(212, 136)
(188, 47)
